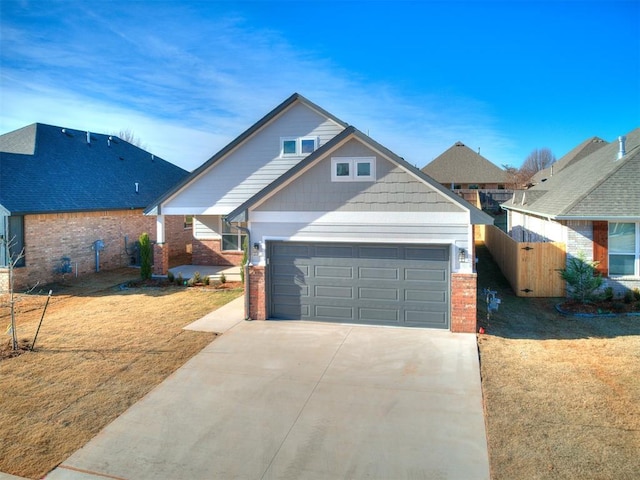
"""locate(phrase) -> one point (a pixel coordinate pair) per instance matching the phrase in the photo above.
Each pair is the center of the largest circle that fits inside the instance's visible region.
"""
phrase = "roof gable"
(257, 164)
(71, 170)
(460, 164)
(404, 169)
(599, 185)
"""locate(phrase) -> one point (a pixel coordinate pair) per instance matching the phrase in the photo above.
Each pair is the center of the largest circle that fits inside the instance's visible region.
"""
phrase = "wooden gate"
(532, 269)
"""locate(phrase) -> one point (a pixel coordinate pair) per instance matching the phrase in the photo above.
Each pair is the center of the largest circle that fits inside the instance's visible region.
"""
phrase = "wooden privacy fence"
(532, 269)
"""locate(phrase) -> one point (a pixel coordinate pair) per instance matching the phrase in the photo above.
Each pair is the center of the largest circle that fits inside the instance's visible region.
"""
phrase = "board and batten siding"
(251, 166)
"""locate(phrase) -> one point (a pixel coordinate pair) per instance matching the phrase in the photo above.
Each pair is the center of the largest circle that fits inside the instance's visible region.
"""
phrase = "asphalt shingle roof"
(46, 169)
(599, 185)
(583, 150)
(460, 164)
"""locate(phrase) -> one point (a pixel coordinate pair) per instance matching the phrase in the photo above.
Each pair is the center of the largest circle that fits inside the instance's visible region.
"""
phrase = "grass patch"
(562, 394)
(100, 349)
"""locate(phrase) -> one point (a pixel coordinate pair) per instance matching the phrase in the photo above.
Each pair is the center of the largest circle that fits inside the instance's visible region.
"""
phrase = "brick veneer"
(49, 237)
(208, 252)
(160, 259)
(257, 293)
(464, 302)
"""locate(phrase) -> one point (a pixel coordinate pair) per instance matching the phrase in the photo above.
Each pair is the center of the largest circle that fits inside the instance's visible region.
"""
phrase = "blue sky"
(188, 77)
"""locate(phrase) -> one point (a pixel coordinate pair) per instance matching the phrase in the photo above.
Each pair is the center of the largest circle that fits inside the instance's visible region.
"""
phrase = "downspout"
(245, 267)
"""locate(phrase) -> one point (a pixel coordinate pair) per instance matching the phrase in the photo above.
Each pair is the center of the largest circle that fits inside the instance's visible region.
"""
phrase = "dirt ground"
(101, 347)
(562, 394)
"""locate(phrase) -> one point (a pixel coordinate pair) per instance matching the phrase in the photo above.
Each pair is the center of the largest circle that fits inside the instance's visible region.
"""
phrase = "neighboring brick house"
(63, 190)
(468, 173)
(338, 227)
(592, 205)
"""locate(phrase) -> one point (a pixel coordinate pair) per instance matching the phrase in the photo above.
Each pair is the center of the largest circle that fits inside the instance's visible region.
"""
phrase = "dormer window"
(297, 146)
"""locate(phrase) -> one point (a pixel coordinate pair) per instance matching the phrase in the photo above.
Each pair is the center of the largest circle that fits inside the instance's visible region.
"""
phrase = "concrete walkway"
(290, 400)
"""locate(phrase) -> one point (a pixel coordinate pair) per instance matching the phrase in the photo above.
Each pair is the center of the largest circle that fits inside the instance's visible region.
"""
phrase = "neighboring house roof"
(460, 164)
(258, 179)
(47, 169)
(476, 215)
(598, 186)
(585, 149)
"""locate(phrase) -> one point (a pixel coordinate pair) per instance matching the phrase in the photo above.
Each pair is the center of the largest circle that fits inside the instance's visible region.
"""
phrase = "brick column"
(257, 293)
(464, 302)
(160, 258)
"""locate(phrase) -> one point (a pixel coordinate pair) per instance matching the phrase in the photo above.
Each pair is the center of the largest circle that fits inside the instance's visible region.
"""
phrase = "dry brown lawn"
(562, 394)
(100, 349)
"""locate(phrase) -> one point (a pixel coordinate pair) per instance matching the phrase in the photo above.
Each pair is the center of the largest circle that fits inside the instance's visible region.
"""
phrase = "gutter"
(245, 267)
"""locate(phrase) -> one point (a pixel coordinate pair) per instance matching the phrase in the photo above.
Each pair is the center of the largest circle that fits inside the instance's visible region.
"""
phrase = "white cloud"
(186, 93)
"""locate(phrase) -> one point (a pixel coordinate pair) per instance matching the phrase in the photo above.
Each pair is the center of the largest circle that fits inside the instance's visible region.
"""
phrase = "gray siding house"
(592, 205)
(338, 227)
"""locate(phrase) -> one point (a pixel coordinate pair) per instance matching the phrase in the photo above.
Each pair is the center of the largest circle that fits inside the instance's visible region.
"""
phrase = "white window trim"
(353, 169)
(298, 140)
(636, 254)
(239, 233)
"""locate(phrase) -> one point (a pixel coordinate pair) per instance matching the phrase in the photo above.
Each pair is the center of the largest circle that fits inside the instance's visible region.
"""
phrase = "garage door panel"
(422, 275)
(377, 273)
(379, 252)
(324, 291)
(327, 312)
(378, 316)
(334, 251)
(355, 283)
(423, 296)
(322, 271)
(378, 293)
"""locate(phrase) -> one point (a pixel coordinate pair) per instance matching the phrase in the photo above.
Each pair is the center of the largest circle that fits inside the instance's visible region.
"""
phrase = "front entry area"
(375, 284)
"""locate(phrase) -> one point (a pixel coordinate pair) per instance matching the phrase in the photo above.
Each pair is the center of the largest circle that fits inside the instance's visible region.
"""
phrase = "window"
(232, 237)
(12, 244)
(624, 248)
(188, 222)
(297, 146)
(353, 169)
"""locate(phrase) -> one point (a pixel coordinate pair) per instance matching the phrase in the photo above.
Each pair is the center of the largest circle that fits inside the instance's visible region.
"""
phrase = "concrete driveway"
(301, 400)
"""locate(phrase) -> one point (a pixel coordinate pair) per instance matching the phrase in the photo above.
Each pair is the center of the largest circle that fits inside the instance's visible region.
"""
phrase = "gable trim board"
(476, 216)
(156, 207)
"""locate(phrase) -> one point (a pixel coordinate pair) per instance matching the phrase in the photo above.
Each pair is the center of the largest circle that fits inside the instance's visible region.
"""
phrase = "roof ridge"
(619, 164)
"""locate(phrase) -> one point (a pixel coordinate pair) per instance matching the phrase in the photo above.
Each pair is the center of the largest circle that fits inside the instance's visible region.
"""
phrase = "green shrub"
(245, 257)
(171, 277)
(581, 277)
(179, 279)
(628, 297)
(197, 278)
(146, 256)
(223, 278)
(608, 294)
(636, 294)
(207, 280)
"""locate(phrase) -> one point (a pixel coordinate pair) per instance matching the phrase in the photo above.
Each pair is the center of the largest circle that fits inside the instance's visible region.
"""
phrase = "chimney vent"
(88, 138)
(622, 152)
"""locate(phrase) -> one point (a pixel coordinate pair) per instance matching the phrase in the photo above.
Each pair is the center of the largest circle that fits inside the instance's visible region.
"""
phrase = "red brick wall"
(208, 252)
(463, 302)
(50, 237)
(257, 293)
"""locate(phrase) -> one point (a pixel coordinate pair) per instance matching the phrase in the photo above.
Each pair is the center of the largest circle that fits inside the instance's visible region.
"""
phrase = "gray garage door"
(405, 285)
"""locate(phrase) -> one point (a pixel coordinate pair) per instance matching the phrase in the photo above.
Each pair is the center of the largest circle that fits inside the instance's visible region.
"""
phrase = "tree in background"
(127, 135)
(538, 159)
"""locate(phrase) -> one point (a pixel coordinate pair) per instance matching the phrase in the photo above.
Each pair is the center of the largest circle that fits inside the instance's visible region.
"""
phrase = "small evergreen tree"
(245, 257)
(581, 277)
(146, 256)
